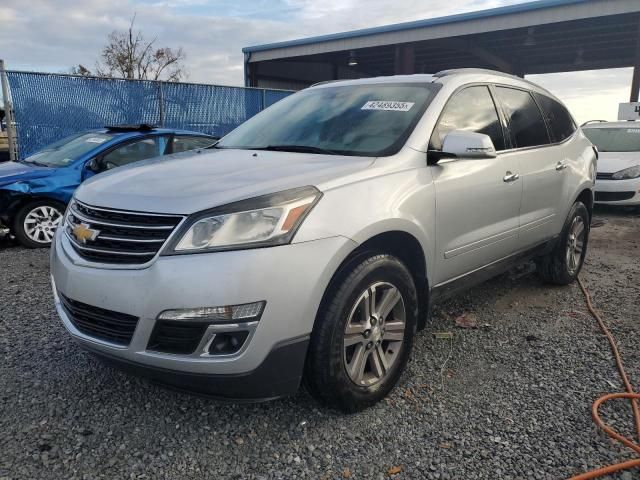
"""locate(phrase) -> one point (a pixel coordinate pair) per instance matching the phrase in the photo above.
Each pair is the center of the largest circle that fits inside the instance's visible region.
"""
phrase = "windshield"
(367, 120)
(65, 151)
(615, 139)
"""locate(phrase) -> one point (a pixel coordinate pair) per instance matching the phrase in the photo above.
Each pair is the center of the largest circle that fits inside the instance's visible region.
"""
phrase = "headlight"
(259, 222)
(67, 213)
(627, 173)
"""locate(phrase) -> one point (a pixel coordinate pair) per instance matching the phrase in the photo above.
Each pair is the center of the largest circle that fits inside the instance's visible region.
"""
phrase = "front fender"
(56, 187)
(10, 200)
(402, 201)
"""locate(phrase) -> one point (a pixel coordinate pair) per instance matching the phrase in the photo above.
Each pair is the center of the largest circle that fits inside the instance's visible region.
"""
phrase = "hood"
(190, 182)
(11, 172)
(612, 162)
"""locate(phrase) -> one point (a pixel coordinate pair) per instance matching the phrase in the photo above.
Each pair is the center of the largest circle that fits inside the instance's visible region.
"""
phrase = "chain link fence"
(48, 107)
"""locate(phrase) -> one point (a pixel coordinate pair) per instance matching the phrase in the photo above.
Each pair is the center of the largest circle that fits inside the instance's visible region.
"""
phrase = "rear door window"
(526, 124)
(471, 109)
(557, 116)
(182, 143)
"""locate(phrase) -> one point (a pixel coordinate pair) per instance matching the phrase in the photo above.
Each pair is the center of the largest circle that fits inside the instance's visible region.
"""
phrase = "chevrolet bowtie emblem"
(83, 233)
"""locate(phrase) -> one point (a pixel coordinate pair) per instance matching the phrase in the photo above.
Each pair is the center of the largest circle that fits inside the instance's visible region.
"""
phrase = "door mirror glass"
(465, 144)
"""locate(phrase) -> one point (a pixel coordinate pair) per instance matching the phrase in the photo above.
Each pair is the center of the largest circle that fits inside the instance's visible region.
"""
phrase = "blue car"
(35, 191)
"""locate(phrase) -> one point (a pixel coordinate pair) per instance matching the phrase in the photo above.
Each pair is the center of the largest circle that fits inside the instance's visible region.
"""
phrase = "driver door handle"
(510, 177)
(561, 166)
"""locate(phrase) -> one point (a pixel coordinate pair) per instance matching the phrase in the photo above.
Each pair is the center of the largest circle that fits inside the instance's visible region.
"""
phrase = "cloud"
(590, 95)
(53, 35)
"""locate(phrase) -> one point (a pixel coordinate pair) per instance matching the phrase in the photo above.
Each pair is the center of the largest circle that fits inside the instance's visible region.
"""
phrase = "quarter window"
(473, 110)
(557, 116)
(525, 120)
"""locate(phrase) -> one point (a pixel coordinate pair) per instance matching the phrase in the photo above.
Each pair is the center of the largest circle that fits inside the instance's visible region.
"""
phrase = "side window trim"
(495, 106)
(168, 148)
(166, 138)
(504, 121)
(550, 134)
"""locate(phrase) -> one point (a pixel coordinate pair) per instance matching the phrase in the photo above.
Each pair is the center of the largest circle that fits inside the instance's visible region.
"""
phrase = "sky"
(54, 35)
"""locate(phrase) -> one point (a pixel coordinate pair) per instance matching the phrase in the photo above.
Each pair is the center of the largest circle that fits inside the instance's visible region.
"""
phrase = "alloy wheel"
(374, 334)
(40, 224)
(575, 244)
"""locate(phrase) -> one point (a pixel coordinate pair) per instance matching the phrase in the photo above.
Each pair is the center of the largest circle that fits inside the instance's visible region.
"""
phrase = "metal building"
(537, 37)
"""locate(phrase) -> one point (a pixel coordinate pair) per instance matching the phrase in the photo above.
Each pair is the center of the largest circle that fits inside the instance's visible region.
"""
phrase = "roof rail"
(453, 71)
(498, 73)
(593, 121)
(324, 82)
(142, 127)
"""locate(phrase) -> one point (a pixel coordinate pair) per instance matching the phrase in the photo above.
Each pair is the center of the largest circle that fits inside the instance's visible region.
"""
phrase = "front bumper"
(618, 192)
(291, 279)
(277, 376)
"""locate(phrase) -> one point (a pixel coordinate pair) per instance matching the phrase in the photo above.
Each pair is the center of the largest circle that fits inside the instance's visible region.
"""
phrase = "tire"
(563, 264)
(331, 370)
(48, 212)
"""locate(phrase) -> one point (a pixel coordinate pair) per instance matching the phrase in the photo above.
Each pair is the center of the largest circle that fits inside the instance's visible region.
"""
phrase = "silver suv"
(309, 243)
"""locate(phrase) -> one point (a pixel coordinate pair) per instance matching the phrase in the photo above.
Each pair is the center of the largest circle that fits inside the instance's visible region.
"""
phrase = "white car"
(618, 178)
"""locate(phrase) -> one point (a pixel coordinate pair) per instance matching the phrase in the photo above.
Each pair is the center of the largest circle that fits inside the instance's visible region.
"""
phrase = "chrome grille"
(118, 236)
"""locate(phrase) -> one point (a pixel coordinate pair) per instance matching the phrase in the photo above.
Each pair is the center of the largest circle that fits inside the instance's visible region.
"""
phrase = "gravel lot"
(509, 400)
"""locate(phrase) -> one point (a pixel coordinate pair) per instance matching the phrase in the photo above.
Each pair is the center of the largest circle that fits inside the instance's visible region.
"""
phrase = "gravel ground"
(509, 400)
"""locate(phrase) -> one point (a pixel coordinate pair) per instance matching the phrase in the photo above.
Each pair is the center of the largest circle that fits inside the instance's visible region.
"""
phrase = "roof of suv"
(462, 76)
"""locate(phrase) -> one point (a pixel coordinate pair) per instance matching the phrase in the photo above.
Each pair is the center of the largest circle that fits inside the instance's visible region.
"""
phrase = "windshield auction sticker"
(388, 105)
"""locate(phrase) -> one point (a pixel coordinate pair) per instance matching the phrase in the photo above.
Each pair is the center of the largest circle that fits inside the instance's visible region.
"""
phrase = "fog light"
(227, 343)
(232, 313)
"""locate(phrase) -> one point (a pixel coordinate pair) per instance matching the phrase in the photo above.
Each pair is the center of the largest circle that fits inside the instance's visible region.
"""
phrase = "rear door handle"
(560, 166)
(510, 177)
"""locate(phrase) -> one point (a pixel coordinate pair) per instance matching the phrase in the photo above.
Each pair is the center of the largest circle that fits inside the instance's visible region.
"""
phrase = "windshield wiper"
(33, 162)
(297, 149)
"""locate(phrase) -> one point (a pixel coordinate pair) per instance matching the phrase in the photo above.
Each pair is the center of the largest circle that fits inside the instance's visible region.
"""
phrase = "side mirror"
(464, 144)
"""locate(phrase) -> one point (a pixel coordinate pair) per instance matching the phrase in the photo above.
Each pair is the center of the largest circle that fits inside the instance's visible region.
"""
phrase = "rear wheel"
(564, 263)
(35, 223)
(363, 334)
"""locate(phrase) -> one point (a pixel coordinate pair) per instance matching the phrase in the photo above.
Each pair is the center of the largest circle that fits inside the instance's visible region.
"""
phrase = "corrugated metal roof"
(450, 19)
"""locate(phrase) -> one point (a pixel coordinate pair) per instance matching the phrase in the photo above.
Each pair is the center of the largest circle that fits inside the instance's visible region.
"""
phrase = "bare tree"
(129, 55)
(80, 70)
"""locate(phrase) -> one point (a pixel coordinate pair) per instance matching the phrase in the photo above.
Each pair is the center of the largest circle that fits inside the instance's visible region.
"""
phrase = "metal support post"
(8, 107)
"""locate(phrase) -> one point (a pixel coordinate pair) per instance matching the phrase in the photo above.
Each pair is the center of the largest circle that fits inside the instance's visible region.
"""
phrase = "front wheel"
(363, 334)
(563, 264)
(35, 223)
